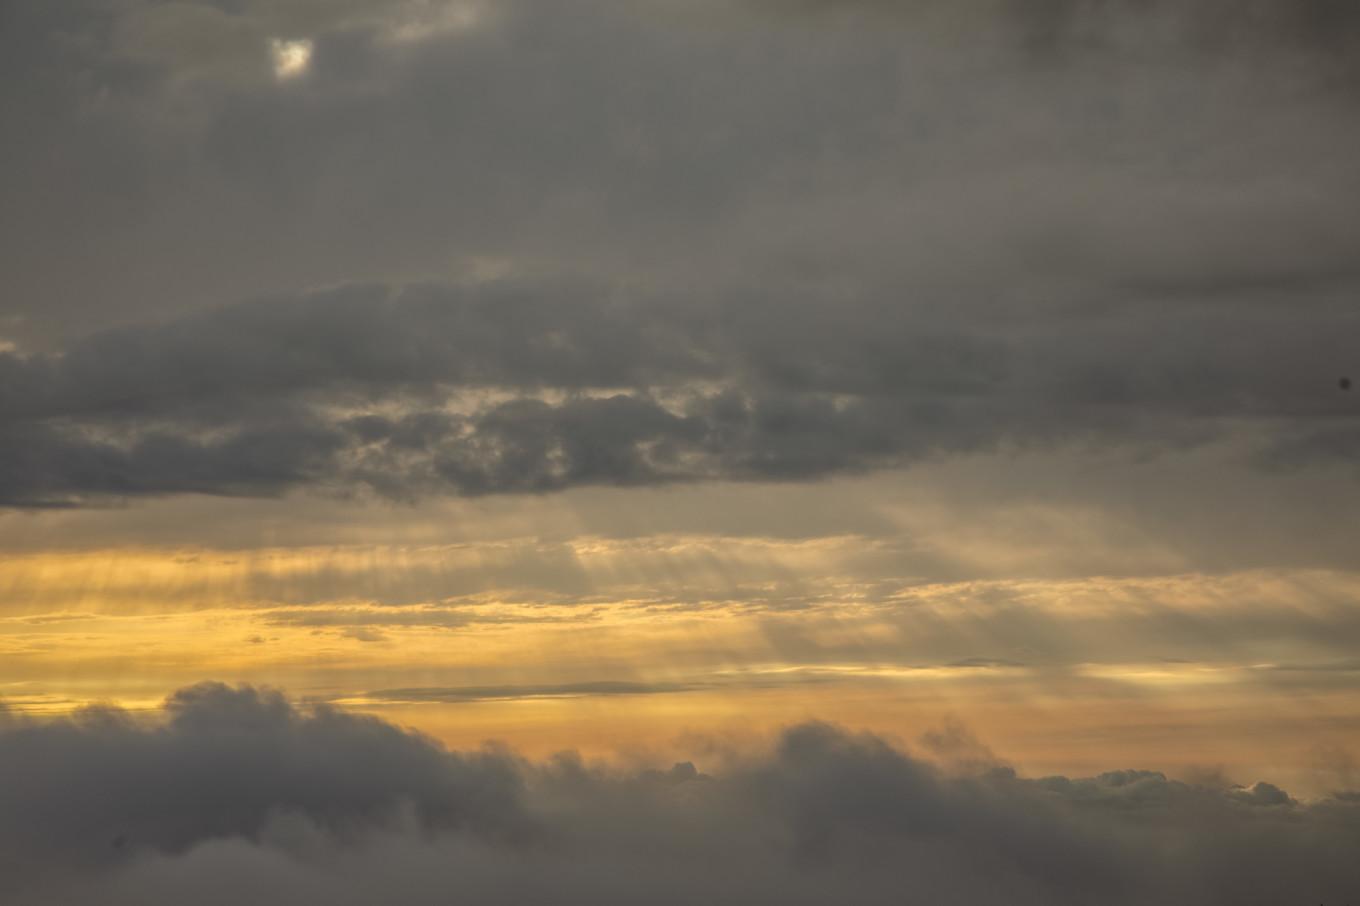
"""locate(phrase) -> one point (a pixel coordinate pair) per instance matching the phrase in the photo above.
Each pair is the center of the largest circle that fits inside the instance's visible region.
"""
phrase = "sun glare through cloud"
(291, 58)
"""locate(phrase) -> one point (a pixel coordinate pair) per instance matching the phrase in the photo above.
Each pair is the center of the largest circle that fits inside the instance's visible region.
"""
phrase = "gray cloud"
(1323, 30)
(532, 388)
(223, 762)
(985, 225)
(238, 795)
(393, 159)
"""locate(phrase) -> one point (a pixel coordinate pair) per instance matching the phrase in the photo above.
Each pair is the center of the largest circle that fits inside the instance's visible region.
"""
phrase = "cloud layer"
(236, 795)
(563, 251)
(532, 388)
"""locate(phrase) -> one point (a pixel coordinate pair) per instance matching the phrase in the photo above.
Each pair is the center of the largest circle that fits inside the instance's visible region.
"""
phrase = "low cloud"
(235, 795)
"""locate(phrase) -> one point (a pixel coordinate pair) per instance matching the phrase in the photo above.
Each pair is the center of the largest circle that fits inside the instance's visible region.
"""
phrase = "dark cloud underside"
(496, 389)
(239, 795)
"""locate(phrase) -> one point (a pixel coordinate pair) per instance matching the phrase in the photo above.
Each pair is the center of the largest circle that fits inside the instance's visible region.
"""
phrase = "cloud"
(535, 387)
(988, 225)
(220, 765)
(1323, 30)
(518, 692)
(236, 794)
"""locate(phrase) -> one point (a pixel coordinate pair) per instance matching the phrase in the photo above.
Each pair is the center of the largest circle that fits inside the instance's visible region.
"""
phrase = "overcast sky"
(666, 380)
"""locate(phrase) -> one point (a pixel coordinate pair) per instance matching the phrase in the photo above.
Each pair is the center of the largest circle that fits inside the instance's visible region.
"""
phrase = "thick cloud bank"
(621, 243)
(530, 388)
(236, 796)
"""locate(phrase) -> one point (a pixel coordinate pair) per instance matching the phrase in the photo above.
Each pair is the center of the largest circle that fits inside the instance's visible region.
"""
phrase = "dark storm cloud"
(140, 179)
(888, 243)
(239, 796)
(368, 338)
(530, 388)
(45, 466)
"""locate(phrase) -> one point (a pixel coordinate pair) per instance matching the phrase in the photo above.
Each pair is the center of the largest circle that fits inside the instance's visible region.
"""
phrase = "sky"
(737, 451)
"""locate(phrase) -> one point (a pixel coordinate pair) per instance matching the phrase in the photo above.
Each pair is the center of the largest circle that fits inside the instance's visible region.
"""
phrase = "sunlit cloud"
(423, 20)
(531, 640)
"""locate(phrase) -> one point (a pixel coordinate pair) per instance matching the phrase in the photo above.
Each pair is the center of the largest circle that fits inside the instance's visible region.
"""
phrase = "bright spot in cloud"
(290, 57)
